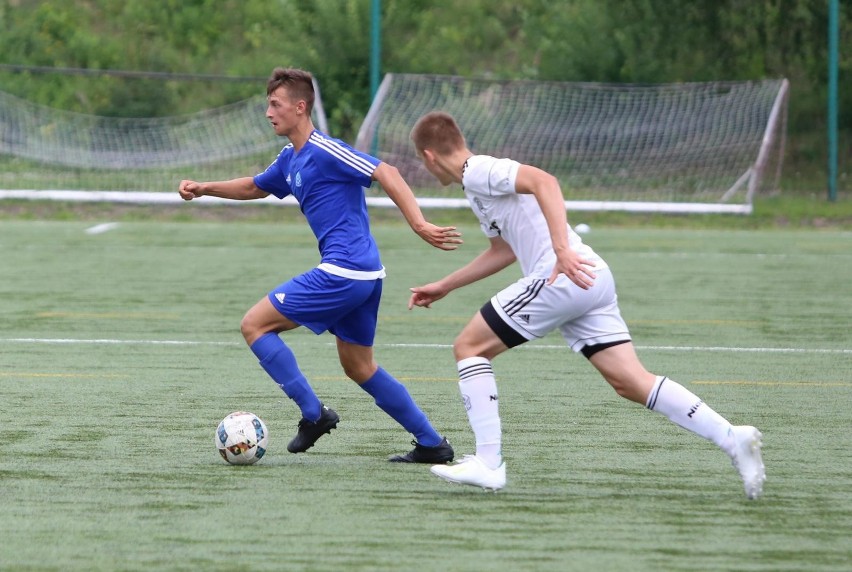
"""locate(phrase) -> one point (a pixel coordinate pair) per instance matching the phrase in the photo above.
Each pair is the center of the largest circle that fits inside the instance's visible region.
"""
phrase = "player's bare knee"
(248, 329)
(459, 355)
(349, 371)
(621, 390)
(626, 389)
(463, 349)
(359, 373)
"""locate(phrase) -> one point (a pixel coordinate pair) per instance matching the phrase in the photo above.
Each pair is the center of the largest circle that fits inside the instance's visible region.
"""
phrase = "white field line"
(102, 341)
(705, 255)
(722, 349)
(102, 228)
(661, 348)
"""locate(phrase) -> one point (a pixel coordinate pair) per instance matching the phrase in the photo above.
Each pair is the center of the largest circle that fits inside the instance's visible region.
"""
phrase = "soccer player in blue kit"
(342, 294)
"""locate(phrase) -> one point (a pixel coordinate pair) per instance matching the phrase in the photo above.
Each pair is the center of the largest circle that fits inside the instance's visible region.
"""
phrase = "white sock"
(686, 409)
(479, 394)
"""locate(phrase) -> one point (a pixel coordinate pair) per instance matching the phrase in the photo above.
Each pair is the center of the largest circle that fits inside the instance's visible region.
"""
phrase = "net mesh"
(605, 142)
(46, 148)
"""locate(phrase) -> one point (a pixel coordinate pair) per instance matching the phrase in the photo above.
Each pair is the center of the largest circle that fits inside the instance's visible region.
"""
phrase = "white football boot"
(747, 460)
(471, 470)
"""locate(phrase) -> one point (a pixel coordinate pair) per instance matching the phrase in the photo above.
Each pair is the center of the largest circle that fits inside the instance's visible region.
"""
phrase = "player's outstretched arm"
(497, 257)
(424, 296)
(443, 237)
(241, 189)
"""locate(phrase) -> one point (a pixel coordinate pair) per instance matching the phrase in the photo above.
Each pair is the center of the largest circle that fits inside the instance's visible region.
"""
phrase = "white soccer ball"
(241, 438)
(582, 228)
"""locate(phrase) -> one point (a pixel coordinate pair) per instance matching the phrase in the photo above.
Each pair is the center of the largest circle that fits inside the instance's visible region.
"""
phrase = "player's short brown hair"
(438, 132)
(298, 83)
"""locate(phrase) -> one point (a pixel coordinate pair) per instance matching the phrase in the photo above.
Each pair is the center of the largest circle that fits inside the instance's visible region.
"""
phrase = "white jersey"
(489, 184)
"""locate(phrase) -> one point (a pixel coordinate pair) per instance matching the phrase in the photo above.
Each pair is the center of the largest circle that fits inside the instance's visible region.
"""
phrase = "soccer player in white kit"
(565, 286)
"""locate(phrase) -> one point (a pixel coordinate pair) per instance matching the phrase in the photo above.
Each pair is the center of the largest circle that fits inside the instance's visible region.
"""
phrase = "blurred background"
(143, 58)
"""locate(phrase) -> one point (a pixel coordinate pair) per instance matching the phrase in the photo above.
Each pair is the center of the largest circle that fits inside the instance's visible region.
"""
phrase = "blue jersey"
(327, 177)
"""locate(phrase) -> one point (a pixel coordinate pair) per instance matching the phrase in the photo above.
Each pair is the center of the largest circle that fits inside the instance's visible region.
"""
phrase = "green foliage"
(657, 41)
(433, 39)
(572, 47)
(199, 37)
(336, 49)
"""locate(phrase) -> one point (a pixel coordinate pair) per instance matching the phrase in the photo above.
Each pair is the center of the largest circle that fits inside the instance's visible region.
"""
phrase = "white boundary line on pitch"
(115, 342)
(104, 341)
(662, 348)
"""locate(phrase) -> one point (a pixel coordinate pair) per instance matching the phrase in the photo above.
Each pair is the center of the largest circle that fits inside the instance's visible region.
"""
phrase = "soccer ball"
(241, 438)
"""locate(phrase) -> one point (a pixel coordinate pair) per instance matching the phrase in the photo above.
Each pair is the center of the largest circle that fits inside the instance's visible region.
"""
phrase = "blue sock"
(393, 398)
(280, 363)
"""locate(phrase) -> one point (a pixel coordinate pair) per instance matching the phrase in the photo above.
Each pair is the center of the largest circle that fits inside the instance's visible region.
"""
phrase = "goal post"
(688, 147)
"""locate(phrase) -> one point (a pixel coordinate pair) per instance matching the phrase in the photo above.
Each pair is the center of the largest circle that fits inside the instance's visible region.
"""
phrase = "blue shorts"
(321, 301)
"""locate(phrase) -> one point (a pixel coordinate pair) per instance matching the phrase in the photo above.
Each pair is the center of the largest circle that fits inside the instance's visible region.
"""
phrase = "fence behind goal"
(687, 147)
(50, 153)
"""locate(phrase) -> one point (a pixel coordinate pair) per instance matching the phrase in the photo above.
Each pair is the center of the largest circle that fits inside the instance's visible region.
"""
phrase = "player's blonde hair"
(438, 132)
(298, 83)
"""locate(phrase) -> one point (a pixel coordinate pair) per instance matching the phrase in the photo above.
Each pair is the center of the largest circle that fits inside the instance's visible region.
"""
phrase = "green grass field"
(120, 352)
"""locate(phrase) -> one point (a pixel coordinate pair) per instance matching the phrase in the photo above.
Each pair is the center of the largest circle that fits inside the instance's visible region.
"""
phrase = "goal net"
(688, 147)
(46, 152)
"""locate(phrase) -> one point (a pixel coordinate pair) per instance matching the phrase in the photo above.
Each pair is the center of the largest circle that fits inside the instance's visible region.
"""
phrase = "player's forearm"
(486, 264)
(401, 194)
(242, 189)
(548, 194)
(552, 205)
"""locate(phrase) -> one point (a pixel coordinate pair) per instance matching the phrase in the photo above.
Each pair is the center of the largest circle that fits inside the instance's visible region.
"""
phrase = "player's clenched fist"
(189, 190)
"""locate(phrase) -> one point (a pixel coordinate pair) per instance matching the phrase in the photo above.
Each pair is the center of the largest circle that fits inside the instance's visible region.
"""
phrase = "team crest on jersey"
(298, 179)
(479, 205)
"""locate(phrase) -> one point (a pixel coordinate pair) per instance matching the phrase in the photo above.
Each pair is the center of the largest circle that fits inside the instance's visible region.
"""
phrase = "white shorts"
(530, 309)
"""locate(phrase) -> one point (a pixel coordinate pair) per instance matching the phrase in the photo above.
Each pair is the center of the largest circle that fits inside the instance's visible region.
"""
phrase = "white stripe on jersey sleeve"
(287, 146)
(355, 161)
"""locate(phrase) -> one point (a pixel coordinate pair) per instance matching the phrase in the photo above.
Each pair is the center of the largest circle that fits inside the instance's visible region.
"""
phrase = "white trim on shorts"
(352, 274)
